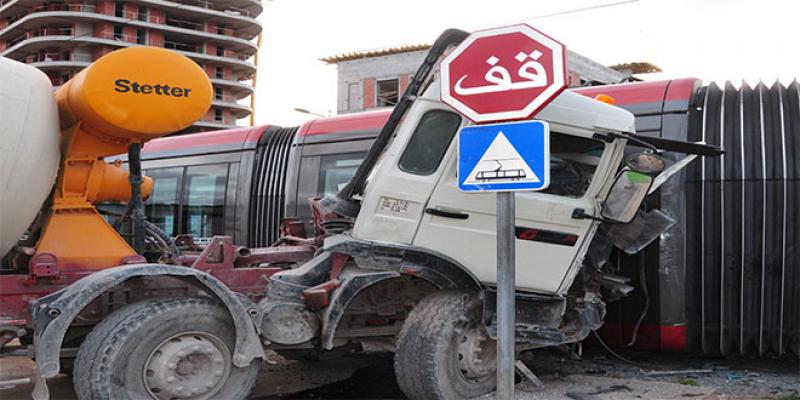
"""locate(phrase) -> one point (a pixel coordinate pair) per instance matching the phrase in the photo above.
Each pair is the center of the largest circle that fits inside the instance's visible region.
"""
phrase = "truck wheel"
(443, 350)
(174, 348)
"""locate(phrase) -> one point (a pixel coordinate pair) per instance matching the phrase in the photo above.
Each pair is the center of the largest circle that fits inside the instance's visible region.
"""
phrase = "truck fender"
(54, 313)
(437, 268)
(342, 298)
(379, 262)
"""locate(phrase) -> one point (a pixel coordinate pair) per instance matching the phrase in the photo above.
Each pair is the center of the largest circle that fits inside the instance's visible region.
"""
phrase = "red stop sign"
(503, 74)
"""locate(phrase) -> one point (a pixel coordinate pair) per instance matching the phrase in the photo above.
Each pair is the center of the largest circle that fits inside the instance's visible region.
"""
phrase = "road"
(596, 376)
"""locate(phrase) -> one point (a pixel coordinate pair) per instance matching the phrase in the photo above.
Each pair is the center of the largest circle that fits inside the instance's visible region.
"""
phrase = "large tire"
(163, 349)
(432, 349)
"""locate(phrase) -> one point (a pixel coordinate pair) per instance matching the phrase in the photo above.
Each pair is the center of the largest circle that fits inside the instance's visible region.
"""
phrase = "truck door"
(548, 240)
(406, 175)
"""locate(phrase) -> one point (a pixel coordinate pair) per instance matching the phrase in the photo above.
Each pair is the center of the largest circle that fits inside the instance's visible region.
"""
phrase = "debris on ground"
(528, 374)
(594, 376)
(679, 372)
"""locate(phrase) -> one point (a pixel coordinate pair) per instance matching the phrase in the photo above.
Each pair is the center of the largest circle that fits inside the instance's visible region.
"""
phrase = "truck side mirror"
(625, 196)
(647, 163)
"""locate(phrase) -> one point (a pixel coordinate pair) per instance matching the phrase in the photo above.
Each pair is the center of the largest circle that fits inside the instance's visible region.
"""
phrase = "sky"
(714, 40)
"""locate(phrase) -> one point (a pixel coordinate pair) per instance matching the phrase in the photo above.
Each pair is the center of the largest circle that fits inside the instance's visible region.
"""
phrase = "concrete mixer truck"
(400, 260)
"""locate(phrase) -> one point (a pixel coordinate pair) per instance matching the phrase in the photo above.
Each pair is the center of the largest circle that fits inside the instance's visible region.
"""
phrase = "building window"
(387, 93)
(220, 73)
(354, 102)
(143, 14)
(66, 56)
(118, 32)
(220, 29)
(218, 115)
(64, 78)
(218, 94)
(119, 9)
(220, 51)
(141, 36)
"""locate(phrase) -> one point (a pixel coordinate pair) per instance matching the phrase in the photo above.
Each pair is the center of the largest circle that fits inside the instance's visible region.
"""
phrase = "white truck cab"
(416, 201)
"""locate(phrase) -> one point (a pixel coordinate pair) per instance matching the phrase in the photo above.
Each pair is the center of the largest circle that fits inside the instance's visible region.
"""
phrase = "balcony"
(137, 16)
(252, 11)
(179, 23)
(89, 8)
(46, 16)
(231, 98)
(211, 124)
(243, 22)
(53, 57)
(201, 27)
(236, 88)
(239, 110)
(41, 32)
(240, 66)
(173, 45)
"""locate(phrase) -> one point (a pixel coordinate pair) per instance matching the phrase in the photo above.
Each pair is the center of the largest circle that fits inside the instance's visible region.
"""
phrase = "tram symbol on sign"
(504, 157)
(500, 173)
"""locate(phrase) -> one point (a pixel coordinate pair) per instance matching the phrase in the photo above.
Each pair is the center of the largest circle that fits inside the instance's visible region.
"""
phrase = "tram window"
(336, 170)
(162, 205)
(204, 200)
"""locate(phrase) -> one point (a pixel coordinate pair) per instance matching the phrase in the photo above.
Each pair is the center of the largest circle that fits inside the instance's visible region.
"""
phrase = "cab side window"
(429, 142)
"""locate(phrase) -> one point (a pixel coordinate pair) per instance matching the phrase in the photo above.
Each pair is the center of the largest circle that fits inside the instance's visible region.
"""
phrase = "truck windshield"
(573, 161)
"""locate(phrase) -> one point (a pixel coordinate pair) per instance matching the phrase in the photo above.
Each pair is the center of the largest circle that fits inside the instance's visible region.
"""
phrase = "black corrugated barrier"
(742, 250)
(268, 192)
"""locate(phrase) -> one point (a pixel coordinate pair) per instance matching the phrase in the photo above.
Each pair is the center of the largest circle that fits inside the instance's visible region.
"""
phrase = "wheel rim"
(477, 354)
(190, 365)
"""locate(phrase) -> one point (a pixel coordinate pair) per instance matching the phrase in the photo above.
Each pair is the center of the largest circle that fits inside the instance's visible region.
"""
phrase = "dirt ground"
(596, 376)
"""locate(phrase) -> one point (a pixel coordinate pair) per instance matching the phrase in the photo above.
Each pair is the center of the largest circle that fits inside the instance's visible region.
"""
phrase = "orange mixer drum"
(137, 93)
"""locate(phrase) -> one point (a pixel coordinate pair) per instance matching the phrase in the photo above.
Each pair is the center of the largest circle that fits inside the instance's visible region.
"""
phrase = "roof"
(645, 92)
(203, 142)
(368, 120)
(640, 97)
(587, 68)
(355, 55)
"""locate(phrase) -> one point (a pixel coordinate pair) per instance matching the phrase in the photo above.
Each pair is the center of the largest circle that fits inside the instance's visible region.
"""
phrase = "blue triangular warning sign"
(504, 157)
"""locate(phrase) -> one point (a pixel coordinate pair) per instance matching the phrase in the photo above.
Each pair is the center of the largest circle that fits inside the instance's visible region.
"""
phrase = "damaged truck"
(400, 260)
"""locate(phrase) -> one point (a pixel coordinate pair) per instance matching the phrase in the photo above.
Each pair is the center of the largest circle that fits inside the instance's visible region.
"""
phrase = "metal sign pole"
(505, 295)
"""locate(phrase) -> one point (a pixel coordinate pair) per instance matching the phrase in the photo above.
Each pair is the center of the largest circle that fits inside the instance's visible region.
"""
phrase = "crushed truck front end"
(416, 176)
